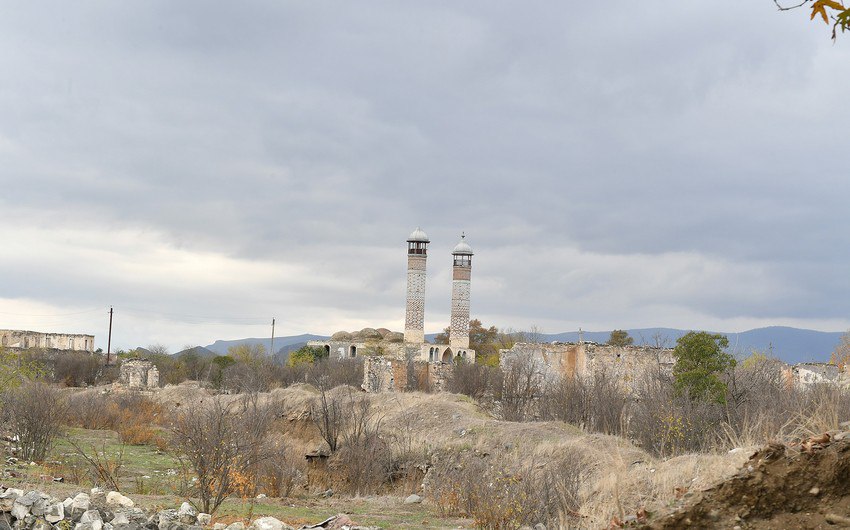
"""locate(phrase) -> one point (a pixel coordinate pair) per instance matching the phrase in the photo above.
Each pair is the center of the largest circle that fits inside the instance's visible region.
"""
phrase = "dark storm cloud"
(667, 164)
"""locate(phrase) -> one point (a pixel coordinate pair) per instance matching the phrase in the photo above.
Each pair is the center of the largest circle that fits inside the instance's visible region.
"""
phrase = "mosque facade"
(411, 345)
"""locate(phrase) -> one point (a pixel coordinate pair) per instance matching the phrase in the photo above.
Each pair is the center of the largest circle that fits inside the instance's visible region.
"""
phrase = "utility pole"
(272, 348)
(109, 341)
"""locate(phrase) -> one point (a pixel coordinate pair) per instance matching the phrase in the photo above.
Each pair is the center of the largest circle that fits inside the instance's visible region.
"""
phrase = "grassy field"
(151, 478)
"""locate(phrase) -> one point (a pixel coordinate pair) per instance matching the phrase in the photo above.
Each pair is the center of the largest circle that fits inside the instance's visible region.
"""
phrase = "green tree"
(306, 355)
(247, 353)
(16, 369)
(700, 363)
(485, 341)
(620, 337)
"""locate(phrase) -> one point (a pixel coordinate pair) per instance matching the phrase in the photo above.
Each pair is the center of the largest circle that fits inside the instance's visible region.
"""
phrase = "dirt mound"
(807, 486)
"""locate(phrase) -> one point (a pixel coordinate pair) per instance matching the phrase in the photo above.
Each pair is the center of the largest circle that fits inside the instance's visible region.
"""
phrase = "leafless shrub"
(332, 372)
(223, 447)
(668, 423)
(92, 411)
(597, 403)
(328, 414)
(36, 411)
(475, 380)
(77, 368)
(365, 456)
(247, 377)
(522, 385)
(278, 475)
(103, 468)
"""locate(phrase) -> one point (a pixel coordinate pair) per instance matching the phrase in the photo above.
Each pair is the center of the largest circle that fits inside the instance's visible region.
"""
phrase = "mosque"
(411, 346)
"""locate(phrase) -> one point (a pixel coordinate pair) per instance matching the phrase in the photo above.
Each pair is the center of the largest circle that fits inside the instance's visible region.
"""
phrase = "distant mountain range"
(791, 345)
(282, 345)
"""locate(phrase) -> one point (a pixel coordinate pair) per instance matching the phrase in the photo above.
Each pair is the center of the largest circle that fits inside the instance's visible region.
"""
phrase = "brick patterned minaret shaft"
(461, 280)
(417, 255)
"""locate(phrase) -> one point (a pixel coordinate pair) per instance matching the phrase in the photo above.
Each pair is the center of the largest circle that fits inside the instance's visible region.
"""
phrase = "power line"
(51, 315)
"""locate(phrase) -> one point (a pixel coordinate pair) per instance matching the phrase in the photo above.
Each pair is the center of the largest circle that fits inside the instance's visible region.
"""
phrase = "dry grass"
(621, 478)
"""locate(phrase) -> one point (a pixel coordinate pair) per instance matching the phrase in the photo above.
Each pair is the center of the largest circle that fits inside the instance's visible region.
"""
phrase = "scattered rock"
(81, 503)
(814, 491)
(7, 499)
(187, 514)
(90, 520)
(269, 523)
(413, 499)
(54, 512)
(204, 519)
(113, 497)
(238, 525)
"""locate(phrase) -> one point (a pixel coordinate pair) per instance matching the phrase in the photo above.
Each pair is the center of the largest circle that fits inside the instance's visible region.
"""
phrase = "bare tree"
(522, 386)
(223, 447)
(365, 457)
(327, 413)
(36, 411)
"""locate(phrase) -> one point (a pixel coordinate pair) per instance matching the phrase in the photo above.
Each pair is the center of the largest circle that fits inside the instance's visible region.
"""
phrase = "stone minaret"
(414, 319)
(461, 275)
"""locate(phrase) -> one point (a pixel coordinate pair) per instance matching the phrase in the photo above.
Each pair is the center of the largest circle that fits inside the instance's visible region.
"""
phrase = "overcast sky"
(206, 166)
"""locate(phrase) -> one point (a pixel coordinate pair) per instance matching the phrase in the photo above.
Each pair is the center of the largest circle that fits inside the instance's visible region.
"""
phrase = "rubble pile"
(99, 510)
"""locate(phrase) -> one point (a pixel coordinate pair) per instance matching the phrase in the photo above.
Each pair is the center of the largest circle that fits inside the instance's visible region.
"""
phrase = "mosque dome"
(418, 235)
(462, 247)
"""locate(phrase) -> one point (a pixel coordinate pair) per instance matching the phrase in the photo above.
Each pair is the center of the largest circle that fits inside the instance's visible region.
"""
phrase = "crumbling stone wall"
(393, 375)
(10, 338)
(806, 374)
(556, 360)
(139, 374)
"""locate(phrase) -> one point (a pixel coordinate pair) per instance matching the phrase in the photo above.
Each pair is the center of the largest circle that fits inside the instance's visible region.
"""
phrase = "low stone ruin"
(99, 510)
(139, 374)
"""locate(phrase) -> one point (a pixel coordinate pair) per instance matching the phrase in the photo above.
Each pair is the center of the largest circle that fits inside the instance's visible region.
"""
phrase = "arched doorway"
(353, 350)
(447, 356)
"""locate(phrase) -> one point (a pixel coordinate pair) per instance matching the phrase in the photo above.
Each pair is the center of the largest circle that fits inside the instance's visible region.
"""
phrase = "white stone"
(93, 519)
(120, 518)
(187, 514)
(19, 511)
(267, 523)
(238, 525)
(91, 516)
(7, 499)
(81, 503)
(204, 519)
(413, 499)
(54, 513)
(219, 526)
(113, 497)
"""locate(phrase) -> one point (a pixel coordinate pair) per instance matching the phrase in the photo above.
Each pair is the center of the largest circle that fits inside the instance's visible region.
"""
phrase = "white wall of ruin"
(34, 339)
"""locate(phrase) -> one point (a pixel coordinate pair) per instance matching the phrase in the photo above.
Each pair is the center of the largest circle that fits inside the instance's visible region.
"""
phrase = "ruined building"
(389, 355)
(552, 361)
(138, 374)
(10, 338)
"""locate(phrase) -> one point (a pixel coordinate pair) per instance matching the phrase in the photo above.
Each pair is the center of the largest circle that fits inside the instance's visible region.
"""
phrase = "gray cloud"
(674, 164)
